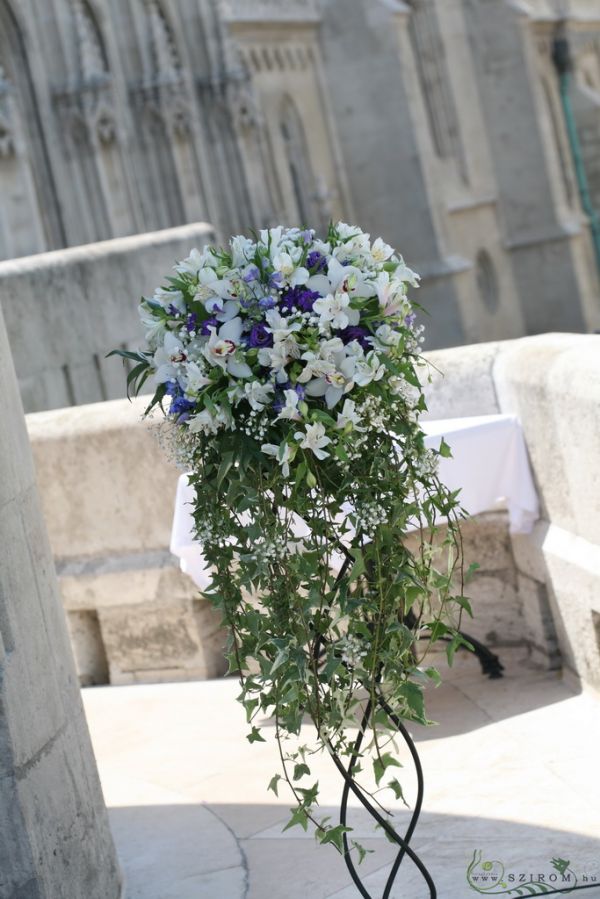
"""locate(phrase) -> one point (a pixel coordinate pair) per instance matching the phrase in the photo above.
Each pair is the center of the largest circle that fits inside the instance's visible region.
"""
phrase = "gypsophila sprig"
(287, 368)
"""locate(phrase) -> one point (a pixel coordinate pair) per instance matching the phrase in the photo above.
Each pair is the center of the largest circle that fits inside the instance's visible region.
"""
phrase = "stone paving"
(511, 770)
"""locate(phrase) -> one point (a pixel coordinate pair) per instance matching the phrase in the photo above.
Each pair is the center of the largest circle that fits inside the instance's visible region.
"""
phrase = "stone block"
(88, 647)
(460, 383)
(162, 642)
(539, 629)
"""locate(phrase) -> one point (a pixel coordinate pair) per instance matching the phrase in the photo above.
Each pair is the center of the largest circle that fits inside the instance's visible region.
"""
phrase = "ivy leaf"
(300, 770)
(255, 736)
(335, 835)
(274, 784)
(299, 817)
(361, 851)
(464, 603)
(445, 450)
(396, 786)
(359, 564)
(382, 762)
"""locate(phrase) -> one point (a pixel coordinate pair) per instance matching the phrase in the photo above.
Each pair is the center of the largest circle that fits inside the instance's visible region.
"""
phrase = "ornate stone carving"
(93, 63)
(7, 141)
(166, 63)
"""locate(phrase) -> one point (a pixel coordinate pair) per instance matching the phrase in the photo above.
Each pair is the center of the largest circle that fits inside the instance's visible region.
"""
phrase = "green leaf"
(396, 786)
(226, 463)
(299, 817)
(362, 852)
(300, 770)
(359, 564)
(386, 760)
(274, 784)
(464, 603)
(445, 450)
(334, 835)
(255, 736)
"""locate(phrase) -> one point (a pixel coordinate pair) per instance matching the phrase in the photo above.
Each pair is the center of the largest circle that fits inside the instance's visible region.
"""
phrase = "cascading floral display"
(287, 369)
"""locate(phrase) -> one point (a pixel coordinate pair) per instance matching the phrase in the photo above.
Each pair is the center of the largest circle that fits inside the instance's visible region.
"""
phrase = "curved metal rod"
(420, 790)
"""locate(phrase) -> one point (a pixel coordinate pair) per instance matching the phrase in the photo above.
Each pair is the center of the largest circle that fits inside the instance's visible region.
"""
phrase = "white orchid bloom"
(258, 395)
(290, 409)
(314, 439)
(349, 416)
(281, 453)
(222, 346)
(167, 357)
(334, 383)
(280, 326)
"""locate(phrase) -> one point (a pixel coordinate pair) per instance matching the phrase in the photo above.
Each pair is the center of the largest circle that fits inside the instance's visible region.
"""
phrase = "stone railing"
(108, 497)
(66, 309)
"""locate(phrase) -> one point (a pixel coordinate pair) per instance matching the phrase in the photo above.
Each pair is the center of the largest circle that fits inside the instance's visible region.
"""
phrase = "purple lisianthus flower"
(260, 336)
(173, 310)
(316, 261)
(251, 274)
(267, 302)
(206, 325)
(192, 322)
(358, 333)
(300, 297)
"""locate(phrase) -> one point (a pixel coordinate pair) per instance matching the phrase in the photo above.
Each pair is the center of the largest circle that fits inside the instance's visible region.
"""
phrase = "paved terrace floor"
(512, 769)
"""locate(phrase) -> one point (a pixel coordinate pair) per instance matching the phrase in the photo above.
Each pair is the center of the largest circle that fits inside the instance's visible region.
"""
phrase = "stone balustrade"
(108, 498)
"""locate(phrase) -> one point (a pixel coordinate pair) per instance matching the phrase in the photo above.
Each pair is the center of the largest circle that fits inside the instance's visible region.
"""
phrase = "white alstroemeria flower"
(194, 378)
(222, 346)
(346, 278)
(290, 409)
(390, 292)
(167, 298)
(285, 265)
(388, 336)
(282, 454)
(404, 273)
(278, 356)
(167, 357)
(242, 250)
(280, 326)
(258, 395)
(206, 422)
(345, 231)
(315, 368)
(334, 311)
(368, 370)
(196, 261)
(381, 251)
(334, 384)
(213, 291)
(314, 439)
(154, 328)
(349, 416)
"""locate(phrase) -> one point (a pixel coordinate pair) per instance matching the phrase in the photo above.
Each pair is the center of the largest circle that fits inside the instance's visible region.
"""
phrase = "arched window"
(487, 281)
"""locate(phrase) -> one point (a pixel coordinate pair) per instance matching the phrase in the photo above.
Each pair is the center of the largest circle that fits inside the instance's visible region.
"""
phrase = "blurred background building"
(466, 132)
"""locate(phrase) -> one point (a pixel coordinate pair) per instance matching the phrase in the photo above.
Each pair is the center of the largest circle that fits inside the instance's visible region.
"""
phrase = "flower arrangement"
(287, 368)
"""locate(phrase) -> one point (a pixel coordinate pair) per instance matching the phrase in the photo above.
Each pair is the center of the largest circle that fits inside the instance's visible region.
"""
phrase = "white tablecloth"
(489, 465)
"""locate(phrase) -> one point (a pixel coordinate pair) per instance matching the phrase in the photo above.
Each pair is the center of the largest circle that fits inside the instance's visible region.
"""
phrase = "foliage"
(291, 368)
